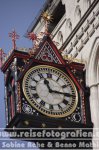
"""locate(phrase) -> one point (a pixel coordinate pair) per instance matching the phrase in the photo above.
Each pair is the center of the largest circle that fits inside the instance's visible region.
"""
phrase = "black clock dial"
(50, 91)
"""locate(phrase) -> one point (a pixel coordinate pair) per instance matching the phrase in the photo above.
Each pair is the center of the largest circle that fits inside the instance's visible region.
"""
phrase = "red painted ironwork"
(47, 56)
(14, 37)
(32, 36)
(35, 40)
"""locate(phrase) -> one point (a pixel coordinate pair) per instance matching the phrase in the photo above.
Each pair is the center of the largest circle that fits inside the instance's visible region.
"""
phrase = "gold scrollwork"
(21, 69)
(19, 97)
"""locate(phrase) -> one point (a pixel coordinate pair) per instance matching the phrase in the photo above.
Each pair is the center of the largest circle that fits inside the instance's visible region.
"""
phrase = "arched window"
(68, 27)
(60, 37)
(78, 1)
(77, 14)
(69, 24)
(89, 2)
(86, 5)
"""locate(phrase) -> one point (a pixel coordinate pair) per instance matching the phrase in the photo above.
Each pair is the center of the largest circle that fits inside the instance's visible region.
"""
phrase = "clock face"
(50, 91)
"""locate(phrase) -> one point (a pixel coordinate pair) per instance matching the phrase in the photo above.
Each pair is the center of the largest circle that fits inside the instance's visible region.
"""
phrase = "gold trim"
(72, 59)
(21, 69)
(67, 77)
(46, 16)
(19, 98)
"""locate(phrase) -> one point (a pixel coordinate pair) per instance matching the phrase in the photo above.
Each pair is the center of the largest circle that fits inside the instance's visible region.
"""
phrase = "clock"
(50, 91)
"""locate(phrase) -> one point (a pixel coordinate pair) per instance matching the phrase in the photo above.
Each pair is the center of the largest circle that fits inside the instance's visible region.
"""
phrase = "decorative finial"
(32, 36)
(47, 18)
(14, 37)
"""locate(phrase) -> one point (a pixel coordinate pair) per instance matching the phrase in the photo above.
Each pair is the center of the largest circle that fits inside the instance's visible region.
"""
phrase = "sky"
(18, 15)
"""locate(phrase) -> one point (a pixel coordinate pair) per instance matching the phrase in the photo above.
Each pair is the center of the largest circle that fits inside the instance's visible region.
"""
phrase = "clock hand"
(65, 94)
(53, 91)
(46, 82)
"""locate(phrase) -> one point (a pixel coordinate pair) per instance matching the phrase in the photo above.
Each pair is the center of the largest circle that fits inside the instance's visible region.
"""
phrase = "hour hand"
(46, 82)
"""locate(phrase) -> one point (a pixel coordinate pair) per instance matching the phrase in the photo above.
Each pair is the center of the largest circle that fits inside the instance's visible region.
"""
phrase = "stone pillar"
(94, 105)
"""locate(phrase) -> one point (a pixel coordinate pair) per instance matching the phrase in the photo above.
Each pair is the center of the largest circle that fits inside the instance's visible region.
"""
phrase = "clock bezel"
(38, 107)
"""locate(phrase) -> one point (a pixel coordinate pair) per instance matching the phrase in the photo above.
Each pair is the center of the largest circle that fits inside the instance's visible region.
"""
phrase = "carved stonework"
(86, 31)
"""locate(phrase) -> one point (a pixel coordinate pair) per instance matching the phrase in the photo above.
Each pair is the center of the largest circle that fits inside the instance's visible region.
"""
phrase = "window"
(57, 15)
(69, 24)
(77, 13)
(60, 37)
(89, 2)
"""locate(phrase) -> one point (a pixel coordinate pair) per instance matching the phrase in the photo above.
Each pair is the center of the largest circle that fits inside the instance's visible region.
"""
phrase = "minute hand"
(65, 94)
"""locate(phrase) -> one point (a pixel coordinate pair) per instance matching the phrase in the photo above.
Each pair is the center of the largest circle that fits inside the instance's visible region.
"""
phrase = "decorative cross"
(35, 40)
(14, 36)
(2, 55)
(32, 36)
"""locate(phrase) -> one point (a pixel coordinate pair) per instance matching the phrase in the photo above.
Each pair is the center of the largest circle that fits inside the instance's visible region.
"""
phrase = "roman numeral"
(65, 102)
(32, 87)
(42, 103)
(51, 107)
(59, 107)
(58, 78)
(34, 80)
(49, 75)
(64, 86)
(35, 95)
(40, 75)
